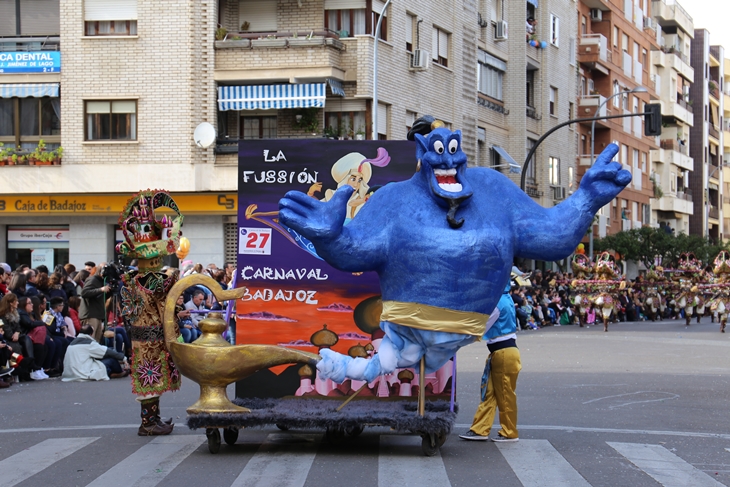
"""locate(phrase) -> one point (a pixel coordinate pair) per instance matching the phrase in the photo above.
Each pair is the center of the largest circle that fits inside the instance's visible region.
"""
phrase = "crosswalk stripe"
(150, 464)
(537, 463)
(402, 463)
(27, 463)
(664, 466)
(283, 460)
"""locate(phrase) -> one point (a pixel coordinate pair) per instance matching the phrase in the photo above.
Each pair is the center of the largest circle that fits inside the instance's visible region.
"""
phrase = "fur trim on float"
(321, 414)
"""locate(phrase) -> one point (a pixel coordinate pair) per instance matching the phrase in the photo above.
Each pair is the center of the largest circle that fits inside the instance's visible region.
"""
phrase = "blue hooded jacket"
(507, 321)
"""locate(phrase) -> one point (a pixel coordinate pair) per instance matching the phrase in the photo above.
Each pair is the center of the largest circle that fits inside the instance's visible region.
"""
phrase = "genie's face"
(443, 166)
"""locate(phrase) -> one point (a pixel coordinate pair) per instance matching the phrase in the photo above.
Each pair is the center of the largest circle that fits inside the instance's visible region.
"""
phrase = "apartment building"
(725, 88)
(706, 137)
(672, 204)
(615, 77)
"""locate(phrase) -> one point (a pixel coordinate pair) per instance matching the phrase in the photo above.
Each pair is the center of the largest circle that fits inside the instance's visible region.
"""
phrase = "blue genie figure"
(442, 243)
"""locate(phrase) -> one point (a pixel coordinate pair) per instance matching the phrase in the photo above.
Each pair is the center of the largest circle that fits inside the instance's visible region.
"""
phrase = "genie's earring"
(418, 166)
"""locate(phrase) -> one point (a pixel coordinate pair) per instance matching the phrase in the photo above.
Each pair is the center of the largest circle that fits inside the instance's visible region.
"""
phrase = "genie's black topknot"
(421, 126)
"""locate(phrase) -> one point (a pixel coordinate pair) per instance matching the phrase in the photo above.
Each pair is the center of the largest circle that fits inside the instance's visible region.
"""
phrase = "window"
(111, 120)
(261, 127)
(553, 101)
(530, 173)
(347, 119)
(583, 25)
(497, 10)
(571, 182)
(625, 43)
(571, 113)
(554, 171)
(347, 22)
(103, 19)
(375, 15)
(554, 30)
(382, 124)
(616, 91)
(490, 75)
(410, 119)
(530, 89)
(644, 58)
(410, 29)
(494, 159)
(615, 36)
(440, 47)
(36, 118)
(259, 14)
(38, 17)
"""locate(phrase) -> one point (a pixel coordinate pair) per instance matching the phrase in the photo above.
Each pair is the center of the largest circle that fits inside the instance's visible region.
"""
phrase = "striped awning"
(336, 87)
(29, 90)
(270, 97)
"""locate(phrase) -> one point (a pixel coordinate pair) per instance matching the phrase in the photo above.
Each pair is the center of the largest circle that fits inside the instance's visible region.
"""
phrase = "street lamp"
(638, 89)
(375, 70)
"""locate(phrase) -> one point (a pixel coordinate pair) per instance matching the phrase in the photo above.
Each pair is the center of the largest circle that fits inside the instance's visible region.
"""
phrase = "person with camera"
(86, 359)
(91, 311)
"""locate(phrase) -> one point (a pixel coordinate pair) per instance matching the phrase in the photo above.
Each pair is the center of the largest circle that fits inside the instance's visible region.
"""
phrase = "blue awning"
(534, 2)
(336, 87)
(270, 97)
(513, 166)
(29, 90)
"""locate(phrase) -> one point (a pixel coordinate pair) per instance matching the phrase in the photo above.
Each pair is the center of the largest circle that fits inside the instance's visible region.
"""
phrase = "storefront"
(37, 245)
(78, 228)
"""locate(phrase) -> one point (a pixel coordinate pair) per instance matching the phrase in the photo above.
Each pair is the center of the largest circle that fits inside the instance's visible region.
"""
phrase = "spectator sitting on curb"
(87, 359)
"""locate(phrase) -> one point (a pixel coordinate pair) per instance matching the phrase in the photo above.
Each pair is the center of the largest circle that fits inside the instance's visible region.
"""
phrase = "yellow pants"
(505, 368)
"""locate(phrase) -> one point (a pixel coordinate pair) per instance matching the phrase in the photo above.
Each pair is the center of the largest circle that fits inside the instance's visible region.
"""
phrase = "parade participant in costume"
(653, 287)
(688, 279)
(720, 302)
(500, 377)
(442, 243)
(149, 235)
(607, 286)
(582, 268)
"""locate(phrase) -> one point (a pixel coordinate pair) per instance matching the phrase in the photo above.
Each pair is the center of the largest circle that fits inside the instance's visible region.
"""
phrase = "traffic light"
(652, 119)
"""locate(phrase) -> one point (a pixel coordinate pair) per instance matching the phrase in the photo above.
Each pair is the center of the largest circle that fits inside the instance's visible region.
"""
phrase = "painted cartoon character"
(353, 170)
(442, 243)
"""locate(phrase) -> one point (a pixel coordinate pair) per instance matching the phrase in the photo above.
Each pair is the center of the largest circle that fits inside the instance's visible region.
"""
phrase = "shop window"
(24, 121)
(258, 127)
(111, 119)
(103, 18)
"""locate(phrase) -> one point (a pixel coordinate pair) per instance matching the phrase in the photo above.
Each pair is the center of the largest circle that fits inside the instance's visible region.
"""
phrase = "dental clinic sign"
(30, 62)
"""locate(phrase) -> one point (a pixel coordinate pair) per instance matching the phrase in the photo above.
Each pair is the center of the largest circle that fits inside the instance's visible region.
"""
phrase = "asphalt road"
(642, 405)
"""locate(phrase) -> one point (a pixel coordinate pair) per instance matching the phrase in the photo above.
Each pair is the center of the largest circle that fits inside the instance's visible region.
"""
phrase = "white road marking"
(401, 463)
(537, 464)
(664, 466)
(668, 395)
(150, 464)
(573, 429)
(29, 462)
(283, 460)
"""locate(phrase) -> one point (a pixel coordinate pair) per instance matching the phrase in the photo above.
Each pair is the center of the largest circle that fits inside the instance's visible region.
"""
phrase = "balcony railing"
(726, 200)
(685, 195)
(714, 212)
(713, 130)
(532, 191)
(673, 5)
(281, 39)
(684, 104)
(675, 145)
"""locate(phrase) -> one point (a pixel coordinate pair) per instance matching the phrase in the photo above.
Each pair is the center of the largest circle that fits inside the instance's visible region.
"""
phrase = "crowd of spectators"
(68, 322)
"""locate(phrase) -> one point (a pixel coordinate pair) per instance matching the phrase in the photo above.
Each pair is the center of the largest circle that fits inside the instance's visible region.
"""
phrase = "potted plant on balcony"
(307, 119)
(245, 26)
(221, 33)
(13, 160)
(57, 155)
(360, 134)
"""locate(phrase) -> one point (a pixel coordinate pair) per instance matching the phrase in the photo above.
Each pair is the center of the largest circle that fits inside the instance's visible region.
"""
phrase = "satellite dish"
(204, 135)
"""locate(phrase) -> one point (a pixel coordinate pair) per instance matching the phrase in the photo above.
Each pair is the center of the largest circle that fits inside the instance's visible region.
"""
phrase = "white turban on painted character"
(355, 170)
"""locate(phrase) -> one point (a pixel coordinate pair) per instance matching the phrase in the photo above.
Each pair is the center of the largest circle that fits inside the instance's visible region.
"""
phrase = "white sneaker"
(43, 374)
(36, 375)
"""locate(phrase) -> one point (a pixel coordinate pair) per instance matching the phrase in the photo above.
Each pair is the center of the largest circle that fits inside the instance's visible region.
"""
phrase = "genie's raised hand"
(605, 179)
(316, 220)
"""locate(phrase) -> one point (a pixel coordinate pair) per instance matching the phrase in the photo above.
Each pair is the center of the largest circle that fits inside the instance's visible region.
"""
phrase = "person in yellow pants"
(500, 377)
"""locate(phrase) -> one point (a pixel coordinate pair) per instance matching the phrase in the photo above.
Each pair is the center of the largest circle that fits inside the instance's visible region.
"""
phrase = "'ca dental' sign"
(30, 62)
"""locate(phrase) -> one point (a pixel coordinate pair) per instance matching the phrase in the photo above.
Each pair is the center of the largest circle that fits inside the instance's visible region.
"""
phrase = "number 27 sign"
(254, 241)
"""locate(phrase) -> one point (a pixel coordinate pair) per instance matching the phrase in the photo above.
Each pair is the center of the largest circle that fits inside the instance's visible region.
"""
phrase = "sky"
(711, 15)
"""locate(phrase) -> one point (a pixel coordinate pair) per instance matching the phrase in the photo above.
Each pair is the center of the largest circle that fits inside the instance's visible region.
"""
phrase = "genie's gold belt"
(432, 318)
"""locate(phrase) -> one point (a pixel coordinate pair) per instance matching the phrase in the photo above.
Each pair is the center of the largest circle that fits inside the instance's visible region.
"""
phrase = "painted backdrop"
(294, 298)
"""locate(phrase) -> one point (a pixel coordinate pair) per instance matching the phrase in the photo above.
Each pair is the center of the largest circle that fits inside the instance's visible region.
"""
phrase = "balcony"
(30, 43)
(714, 212)
(672, 152)
(680, 110)
(672, 203)
(594, 54)
(680, 63)
(625, 225)
(668, 13)
(713, 131)
(726, 135)
(713, 89)
(266, 57)
(587, 106)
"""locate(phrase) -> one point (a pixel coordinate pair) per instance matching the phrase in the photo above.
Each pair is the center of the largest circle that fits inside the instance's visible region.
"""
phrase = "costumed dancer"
(720, 302)
(582, 269)
(655, 303)
(607, 274)
(151, 224)
(690, 273)
(442, 244)
(499, 380)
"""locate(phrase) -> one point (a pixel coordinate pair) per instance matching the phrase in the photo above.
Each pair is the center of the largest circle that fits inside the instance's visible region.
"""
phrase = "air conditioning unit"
(558, 193)
(420, 59)
(596, 15)
(500, 31)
